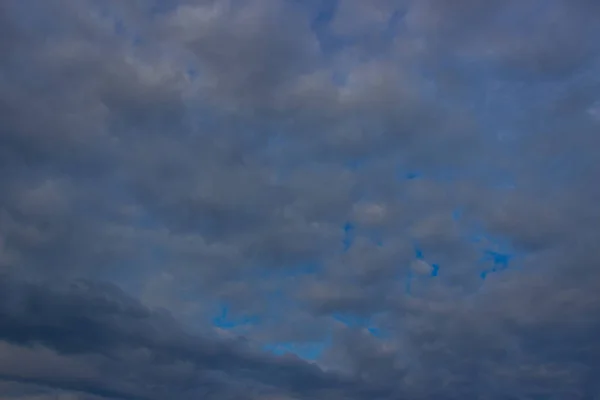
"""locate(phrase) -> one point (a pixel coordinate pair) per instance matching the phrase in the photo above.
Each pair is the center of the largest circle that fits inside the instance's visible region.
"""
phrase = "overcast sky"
(299, 199)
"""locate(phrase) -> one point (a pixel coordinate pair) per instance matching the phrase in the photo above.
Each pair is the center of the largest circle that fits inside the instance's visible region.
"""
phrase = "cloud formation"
(399, 195)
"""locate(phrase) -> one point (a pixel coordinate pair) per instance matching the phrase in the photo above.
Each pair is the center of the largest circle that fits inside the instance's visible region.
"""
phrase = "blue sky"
(281, 199)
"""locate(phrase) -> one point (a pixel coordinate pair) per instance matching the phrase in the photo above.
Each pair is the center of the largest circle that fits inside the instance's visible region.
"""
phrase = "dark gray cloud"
(93, 338)
(408, 187)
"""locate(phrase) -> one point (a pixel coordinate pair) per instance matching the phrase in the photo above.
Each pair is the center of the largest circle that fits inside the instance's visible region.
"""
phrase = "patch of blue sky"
(418, 252)
(500, 262)
(457, 214)
(224, 321)
(412, 175)
(349, 235)
(376, 332)
(411, 276)
(359, 322)
(352, 321)
(496, 250)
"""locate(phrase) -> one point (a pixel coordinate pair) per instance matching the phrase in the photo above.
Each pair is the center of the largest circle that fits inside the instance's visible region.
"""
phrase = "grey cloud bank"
(408, 188)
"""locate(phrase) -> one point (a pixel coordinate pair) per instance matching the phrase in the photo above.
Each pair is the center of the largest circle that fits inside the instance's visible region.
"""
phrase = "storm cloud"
(274, 200)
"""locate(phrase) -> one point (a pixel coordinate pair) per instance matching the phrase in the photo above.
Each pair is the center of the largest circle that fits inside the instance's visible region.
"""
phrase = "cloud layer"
(284, 200)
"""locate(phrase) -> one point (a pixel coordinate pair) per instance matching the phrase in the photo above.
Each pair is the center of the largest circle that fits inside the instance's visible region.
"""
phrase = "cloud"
(84, 336)
(408, 186)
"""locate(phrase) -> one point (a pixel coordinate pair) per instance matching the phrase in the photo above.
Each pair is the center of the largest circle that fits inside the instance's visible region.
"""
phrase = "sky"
(299, 199)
